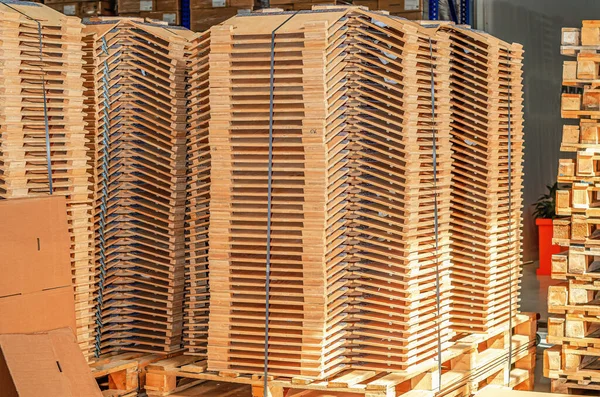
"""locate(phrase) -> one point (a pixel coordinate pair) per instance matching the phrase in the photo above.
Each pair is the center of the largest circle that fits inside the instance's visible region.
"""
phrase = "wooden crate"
(472, 362)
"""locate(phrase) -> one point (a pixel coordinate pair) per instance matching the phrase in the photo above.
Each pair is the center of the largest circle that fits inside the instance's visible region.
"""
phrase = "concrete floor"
(534, 295)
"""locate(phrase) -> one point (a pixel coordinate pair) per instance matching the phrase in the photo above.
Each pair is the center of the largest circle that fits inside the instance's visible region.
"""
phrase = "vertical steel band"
(435, 218)
(269, 200)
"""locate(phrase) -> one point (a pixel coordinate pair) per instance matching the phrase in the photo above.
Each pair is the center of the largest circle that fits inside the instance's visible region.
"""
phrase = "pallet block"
(122, 374)
(472, 362)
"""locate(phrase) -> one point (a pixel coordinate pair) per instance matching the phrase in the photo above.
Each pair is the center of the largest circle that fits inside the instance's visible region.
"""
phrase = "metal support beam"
(186, 17)
(466, 12)
(453, 14)
(434, 10)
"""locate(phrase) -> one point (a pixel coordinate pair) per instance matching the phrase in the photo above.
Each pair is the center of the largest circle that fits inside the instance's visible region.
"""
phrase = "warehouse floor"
(534, 295)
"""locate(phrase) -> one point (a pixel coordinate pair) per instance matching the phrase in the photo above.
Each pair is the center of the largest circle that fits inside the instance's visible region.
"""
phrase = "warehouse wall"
(537, 25)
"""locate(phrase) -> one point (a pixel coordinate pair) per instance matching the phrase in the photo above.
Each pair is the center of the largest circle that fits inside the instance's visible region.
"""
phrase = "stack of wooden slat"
(41, 118)
(198, 195)
(399, 177)
(354, 261)
(574, 304)
(487, 105)
(138, 127)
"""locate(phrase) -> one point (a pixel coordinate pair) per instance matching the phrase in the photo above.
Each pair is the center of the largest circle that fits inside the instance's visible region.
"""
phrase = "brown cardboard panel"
(132, 6)
(35, 245)
(167, 5)
(92, 8)
(401, 5)
(38, 311)
(203, 19)
(172, 17)
(49, 364)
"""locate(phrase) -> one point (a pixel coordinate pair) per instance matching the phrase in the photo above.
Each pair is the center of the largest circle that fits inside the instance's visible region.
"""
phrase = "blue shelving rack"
(463, 17)
(185, 14)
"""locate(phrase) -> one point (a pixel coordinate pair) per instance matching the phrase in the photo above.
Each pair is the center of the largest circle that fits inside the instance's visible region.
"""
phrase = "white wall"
(536, 24)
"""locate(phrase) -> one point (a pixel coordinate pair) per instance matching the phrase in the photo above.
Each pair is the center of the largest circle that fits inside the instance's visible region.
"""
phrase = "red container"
(547, 249)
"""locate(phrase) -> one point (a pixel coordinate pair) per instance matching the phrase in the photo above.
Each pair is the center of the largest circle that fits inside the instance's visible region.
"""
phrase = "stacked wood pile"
(198, 199)
(137, 111)
(42, 134)
(486, 208)
(362, 216)
(574, 303)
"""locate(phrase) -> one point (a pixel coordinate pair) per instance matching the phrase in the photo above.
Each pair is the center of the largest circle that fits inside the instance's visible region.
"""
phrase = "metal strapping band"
(269, 200)
(46, 123)
(435, 219)
(510, 266)
(104, 197)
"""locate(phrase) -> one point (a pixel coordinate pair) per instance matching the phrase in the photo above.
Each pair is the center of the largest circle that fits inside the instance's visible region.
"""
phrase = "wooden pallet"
(575, 312)
(123, 374)
(27, 76)
(471, 362)
(578, 263)
(519, 381)
(576, 230)
(566, 362)
(137, 80)
(574, 387)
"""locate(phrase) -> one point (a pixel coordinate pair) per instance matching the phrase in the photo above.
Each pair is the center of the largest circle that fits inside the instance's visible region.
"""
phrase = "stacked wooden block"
(198, 196)
(487, 107)
(42, 135)
(573, 304)
(138, 116)
(365, 199)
